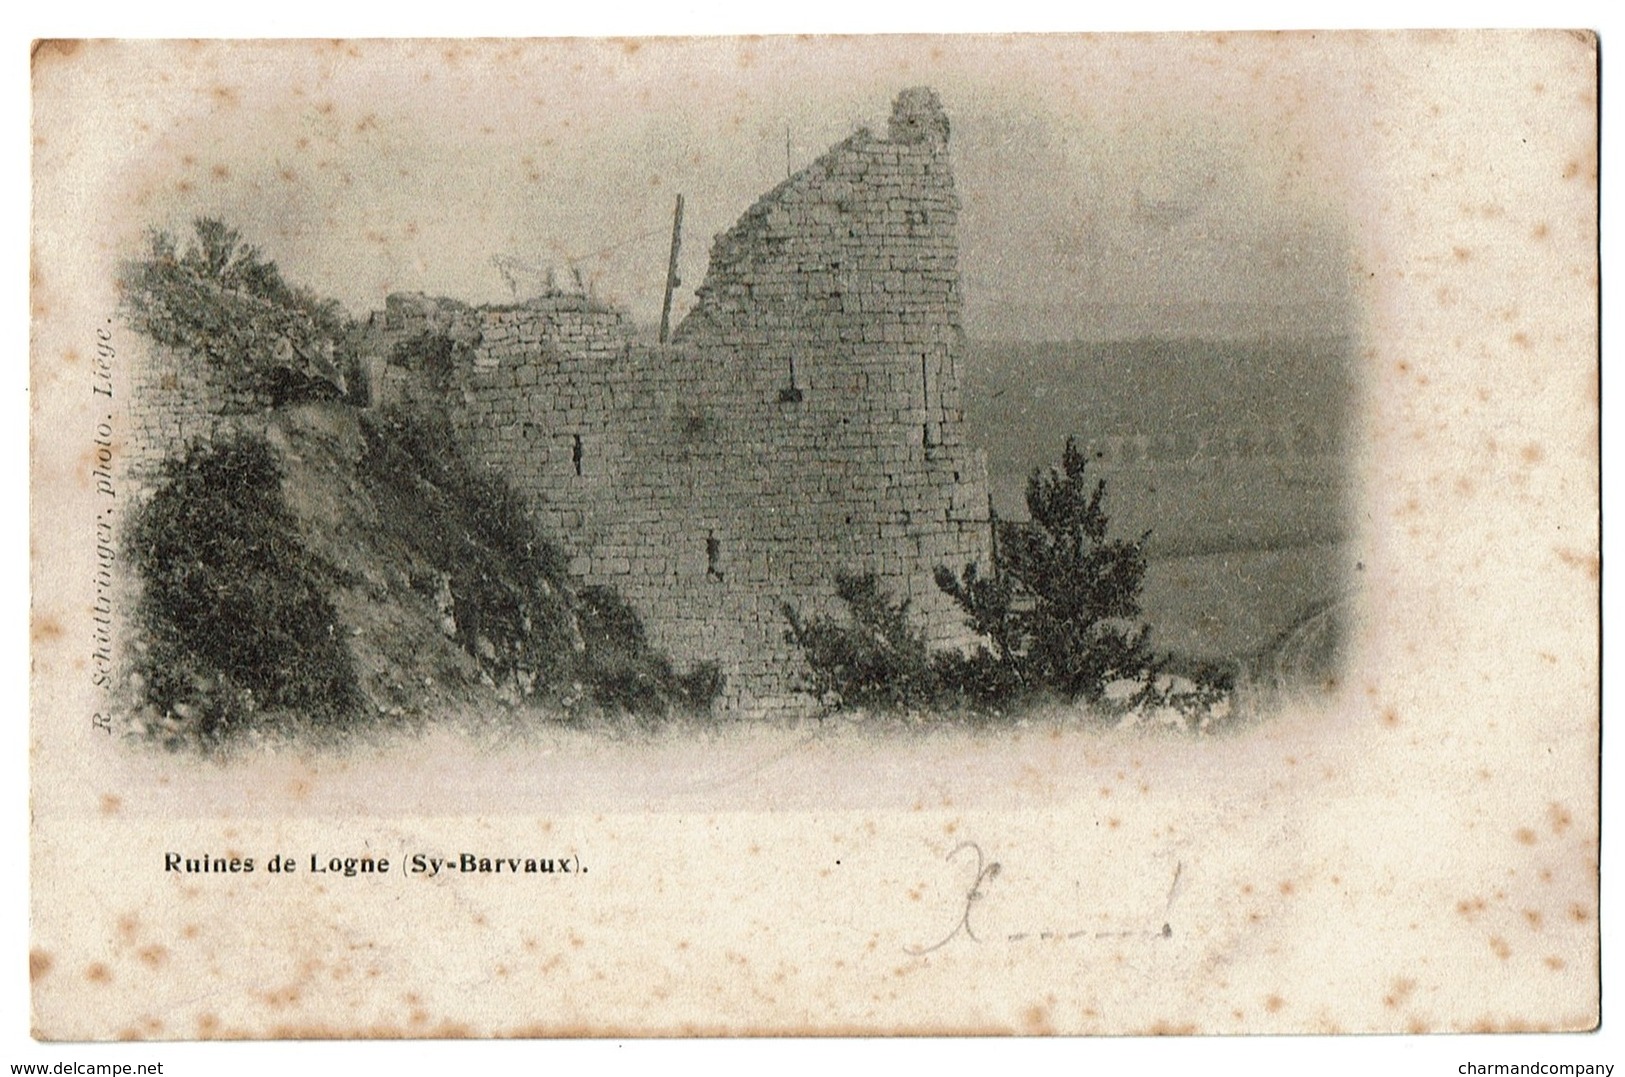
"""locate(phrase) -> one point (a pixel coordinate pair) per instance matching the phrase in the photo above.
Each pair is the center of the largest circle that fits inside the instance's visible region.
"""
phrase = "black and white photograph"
(734, 536)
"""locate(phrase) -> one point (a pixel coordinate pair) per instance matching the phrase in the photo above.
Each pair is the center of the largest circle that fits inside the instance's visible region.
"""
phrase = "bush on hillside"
(234, 607)
(623, 673)
(220, 298)
(507, 598)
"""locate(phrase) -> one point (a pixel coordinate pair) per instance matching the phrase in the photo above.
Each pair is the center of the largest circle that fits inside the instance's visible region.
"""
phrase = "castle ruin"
(804, 420)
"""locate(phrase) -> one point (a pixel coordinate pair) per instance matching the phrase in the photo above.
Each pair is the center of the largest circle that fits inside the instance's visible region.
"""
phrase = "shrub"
(221, 299)
(872, 659)
(235, 608)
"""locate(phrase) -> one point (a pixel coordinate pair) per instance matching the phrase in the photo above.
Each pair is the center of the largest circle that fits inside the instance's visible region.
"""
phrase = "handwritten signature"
(987, 871)
(984, 871)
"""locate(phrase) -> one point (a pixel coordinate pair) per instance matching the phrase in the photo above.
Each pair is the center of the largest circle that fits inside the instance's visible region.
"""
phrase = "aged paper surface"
(1410, 847)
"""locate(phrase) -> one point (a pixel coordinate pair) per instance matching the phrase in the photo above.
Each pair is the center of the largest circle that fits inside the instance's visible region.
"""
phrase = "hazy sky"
(1110, 186)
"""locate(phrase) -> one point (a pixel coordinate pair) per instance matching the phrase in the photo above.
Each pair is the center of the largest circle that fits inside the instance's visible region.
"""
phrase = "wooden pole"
(671, 271)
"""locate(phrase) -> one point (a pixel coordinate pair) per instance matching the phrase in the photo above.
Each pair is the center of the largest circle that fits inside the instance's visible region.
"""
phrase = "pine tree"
(1062, 605)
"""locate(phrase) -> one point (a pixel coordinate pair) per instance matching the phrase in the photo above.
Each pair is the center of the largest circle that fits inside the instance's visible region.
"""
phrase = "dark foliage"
(1062, 606)
(221, 299)
(872, 659)
(235, 608)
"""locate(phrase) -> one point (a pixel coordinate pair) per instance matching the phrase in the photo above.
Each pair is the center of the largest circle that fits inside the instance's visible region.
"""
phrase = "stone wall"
(176, 397)
(804, 422)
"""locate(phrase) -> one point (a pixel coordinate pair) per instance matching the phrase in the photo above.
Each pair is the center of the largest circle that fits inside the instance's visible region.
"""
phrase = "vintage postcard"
(848, 535)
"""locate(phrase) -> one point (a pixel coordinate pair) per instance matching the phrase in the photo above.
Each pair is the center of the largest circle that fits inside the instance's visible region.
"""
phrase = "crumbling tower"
(805, 420)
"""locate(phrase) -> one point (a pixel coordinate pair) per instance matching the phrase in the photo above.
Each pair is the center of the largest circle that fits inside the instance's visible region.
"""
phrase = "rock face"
(805, 420)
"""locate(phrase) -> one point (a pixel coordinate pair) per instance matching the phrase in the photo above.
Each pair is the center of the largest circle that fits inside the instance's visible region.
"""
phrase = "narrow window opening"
(575, 453)
(791, 395)
(925, 401)
(713, 556)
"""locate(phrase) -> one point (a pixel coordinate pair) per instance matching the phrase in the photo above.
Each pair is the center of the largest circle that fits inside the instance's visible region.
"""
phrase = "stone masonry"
(805, 420)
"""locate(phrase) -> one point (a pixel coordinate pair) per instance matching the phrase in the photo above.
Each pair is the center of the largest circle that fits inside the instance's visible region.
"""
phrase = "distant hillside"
(1023, 399)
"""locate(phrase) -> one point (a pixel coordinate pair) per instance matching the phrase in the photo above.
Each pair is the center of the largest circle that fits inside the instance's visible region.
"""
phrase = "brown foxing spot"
(1553, 962)
(39, 963)
(46, 47)
(1525, 836)
(1275, 1003)
(1579, 913)
(220, 172)
(1499, 945)
(1588, 562)
(1532, 453)
(1400, 991)
(98, 973)
(1534, 917)
(1471, 907)
(1541, 230)
(110, 804)
(1462, 254)
(1390, 717)
(152, 956)
(1521, 340)
(207, 1025)
(282, 996)
(1286, 887)
(1559, 816)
